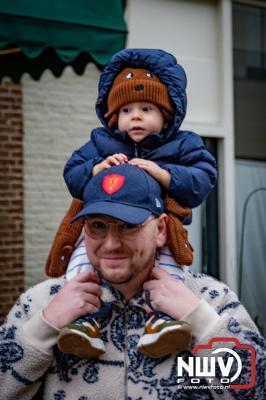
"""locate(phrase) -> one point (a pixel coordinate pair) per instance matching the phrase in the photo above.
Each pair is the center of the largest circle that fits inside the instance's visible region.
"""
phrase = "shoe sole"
(156, 345)
(79, 344)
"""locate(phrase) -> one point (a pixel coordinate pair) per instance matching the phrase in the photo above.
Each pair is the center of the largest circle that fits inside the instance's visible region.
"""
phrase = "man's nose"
(112, 240)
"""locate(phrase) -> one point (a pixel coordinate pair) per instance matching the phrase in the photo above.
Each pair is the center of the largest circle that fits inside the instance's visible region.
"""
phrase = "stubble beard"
(132, 279)
(113, 280)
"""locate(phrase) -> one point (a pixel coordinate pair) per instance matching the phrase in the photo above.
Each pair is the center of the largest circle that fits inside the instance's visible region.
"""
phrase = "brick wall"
(11, 195)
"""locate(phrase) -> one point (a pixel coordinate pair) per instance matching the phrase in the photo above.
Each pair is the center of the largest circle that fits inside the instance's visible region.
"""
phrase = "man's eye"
(129, 227)
(98, 225)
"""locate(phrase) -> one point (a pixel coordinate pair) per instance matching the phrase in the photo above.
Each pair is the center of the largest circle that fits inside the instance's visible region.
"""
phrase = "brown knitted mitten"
(177, 235)
(64, 241)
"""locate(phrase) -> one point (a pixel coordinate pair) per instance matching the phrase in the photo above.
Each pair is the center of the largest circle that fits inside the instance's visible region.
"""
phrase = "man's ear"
(162, 230)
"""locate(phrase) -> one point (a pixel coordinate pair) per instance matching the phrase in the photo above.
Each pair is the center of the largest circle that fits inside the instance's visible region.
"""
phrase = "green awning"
(67, 28)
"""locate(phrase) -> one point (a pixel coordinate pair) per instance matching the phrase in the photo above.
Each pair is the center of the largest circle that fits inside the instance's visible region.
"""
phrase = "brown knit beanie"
(137, 85)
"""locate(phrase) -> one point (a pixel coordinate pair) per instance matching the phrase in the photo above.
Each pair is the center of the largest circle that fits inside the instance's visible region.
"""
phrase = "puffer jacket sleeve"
(193, 173)
(78, 169)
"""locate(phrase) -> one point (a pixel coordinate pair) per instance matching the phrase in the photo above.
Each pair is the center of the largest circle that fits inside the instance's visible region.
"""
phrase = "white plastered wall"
(199, 34)
(58, 118)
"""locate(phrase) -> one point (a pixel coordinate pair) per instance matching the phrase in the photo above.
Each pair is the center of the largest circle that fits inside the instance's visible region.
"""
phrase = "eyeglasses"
(97, 228)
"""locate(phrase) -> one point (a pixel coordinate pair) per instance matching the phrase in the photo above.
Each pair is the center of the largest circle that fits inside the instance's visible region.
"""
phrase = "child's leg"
(162, 334)
(81, 337)
(64, 241)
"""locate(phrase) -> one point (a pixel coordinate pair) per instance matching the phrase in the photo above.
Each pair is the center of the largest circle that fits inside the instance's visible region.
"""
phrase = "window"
(249, 29)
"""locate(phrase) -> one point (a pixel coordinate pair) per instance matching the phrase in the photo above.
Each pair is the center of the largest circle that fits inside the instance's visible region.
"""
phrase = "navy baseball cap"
(125, 192)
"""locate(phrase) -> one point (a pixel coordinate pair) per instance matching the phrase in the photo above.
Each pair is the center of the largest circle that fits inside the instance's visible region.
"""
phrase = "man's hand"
(169, 295)
(158, 173)
(115, 159)
(79, 296)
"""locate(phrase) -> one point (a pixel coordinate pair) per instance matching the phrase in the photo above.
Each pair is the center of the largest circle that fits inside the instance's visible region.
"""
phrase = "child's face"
(139, 119)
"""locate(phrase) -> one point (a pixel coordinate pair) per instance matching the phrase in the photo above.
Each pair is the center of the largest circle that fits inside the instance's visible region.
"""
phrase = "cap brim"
(123, 212)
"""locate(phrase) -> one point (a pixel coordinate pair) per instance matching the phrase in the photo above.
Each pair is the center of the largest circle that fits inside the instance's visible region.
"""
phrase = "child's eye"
(145, 109)
(125, 110)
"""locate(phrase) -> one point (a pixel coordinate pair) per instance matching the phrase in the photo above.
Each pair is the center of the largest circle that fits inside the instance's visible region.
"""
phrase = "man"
(30, 359)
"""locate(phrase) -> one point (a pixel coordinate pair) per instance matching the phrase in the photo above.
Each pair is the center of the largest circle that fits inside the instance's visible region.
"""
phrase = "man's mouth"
(114, 262)
(114, 256)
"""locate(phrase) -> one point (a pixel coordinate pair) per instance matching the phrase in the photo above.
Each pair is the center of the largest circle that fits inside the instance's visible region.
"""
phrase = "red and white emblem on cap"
(112, 183)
